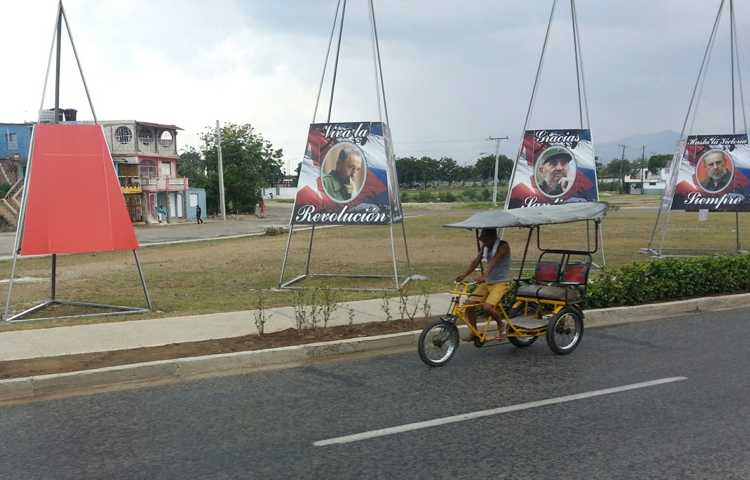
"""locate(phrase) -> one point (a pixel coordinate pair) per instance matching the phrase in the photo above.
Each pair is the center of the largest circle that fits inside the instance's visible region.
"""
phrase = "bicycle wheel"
(564, 331)
(437, 343)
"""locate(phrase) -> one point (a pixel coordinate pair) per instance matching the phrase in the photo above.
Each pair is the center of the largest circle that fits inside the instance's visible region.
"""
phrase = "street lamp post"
(497, 141)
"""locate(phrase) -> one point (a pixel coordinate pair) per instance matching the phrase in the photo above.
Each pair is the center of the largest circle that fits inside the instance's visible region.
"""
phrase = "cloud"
(453, 75)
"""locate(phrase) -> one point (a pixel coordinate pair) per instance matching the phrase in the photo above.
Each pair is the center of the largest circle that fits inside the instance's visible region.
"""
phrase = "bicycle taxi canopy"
(534, 217)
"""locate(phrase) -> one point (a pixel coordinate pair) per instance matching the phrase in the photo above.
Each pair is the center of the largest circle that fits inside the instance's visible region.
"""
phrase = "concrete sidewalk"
(104, 337)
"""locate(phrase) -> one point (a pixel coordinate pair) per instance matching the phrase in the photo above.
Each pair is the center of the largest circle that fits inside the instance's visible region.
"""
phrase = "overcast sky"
(455, 71)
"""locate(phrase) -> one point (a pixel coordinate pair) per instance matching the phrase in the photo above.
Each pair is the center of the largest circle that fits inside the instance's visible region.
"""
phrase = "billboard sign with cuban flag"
(554, 167)
(348, 176)
(714, 174)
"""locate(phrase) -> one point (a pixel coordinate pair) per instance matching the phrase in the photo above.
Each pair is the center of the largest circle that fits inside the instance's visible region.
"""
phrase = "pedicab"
(546, 303)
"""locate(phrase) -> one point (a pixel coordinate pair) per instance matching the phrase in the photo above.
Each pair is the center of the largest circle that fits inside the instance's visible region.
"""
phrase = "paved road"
(263, 425)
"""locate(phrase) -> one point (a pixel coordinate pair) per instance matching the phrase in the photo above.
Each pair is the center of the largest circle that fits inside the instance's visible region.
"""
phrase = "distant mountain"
(656, 143)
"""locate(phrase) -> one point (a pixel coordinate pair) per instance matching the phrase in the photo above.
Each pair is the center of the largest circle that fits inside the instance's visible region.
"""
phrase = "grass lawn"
(229, 275)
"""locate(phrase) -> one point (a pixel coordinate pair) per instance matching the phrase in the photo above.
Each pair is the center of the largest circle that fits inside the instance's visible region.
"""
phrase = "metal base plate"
(114, 310)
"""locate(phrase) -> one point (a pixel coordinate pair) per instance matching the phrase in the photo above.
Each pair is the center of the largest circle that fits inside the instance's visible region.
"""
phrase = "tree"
(617, 168)
(250, 164)
(447, 170)
(485, 167)
(657, 162)
(193, 166)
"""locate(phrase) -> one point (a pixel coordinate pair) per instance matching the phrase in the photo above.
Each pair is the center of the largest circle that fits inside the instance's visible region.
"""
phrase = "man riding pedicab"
(494, 283)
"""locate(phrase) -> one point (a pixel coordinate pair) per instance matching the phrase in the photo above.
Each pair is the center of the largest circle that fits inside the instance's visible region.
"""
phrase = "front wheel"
(437, 343)
(564, 331)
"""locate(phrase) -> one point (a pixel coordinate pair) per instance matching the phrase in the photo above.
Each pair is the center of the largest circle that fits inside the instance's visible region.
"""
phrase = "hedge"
(668, 279)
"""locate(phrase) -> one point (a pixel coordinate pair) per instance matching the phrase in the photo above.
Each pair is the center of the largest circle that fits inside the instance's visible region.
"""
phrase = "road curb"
(181, 369)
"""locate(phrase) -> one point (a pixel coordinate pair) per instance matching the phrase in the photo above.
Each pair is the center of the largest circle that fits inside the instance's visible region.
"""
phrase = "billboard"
(348, 176)
(554, 167)
(714, 174)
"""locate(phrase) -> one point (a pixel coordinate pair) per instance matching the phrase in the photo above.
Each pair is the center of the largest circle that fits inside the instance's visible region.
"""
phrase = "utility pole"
(622, 165)
(222, 203)
(643, 169)
(497, 141)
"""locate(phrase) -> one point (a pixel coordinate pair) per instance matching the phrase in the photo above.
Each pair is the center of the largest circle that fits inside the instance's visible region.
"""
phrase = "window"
(165, 169)
(123, 135)
(165, 139)
(145, 136)
(148, 170)
(11, 138)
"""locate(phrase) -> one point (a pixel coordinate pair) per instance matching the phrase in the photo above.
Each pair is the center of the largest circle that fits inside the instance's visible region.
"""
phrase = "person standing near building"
(198, 213)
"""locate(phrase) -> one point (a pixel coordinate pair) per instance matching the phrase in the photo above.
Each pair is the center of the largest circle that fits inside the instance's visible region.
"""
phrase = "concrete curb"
(139, 374)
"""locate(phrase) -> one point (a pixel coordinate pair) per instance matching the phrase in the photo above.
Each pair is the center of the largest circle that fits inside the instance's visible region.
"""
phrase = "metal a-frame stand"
(53, 300)
(655, 246)
(583, 102)
(398, 282)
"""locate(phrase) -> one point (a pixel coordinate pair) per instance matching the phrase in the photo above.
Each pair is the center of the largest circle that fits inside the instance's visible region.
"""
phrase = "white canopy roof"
(532, 216)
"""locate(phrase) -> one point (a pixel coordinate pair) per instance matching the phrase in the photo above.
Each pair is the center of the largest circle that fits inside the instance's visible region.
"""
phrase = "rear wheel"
(564, 331)
(437, 343)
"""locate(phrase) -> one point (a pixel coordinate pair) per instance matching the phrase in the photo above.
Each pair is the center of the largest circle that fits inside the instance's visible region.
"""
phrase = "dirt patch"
(90, 361)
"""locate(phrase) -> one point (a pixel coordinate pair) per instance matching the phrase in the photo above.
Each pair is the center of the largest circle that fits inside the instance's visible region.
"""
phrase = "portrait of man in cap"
(553, 172)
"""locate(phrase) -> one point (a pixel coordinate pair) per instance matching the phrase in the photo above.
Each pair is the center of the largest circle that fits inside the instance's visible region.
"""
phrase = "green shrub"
(424, 197)
(485, 194)
(405, 197)
(447, 197)
(669, 279)
(469, 195)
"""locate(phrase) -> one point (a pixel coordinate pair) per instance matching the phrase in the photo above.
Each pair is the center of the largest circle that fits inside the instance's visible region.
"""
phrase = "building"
(286, 188)
(145, 156)
(15, 139)
(646, 182)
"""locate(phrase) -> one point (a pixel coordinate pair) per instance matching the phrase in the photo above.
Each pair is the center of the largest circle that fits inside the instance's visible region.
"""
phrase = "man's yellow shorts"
(490, 293)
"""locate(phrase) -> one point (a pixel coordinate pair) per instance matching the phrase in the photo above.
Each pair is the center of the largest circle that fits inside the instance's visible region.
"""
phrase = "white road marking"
(493, 411)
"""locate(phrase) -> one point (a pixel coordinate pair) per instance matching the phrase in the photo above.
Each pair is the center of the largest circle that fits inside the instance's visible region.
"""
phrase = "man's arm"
(473, 266)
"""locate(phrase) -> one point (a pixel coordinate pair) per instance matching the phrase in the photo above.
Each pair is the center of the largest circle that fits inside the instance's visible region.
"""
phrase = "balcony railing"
(130, 184)
(164, 184)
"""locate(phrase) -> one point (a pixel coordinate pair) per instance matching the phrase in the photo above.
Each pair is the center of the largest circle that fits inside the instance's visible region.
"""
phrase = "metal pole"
(731, 50)
(497, 161)
(531, 101)
(20, 223)
(286, 253)
(57, 65)
(309, 250)
(149, 305)
(222, 202)
(10, 284)
(574, 23)
(336, 63)
(643, 168)
(49, 62)
(78, 62)
(325, 63)
(622, 164)
(737, 228)
(393, 255)
(54, 276)
(406, 246)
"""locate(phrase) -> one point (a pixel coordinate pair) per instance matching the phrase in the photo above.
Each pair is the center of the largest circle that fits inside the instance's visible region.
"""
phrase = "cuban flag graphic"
(347, 177)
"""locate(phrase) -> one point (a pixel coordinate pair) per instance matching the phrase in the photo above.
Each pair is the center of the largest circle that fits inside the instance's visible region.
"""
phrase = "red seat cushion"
(546, 271)
(575, 273)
